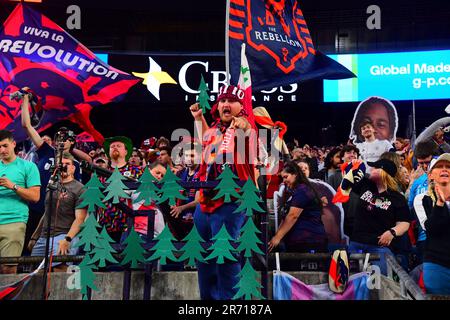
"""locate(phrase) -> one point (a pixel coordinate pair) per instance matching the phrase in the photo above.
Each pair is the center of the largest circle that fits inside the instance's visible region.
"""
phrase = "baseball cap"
(442, 157)
(386, 165)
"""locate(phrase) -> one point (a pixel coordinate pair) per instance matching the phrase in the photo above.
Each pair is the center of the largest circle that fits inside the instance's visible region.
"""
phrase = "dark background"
(162, 27)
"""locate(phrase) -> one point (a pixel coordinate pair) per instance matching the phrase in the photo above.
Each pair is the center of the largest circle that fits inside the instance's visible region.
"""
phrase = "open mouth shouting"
(226, 114)
(226, 111)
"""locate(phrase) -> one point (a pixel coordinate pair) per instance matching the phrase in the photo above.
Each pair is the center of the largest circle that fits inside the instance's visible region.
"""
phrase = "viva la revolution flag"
(67, 77)
(280, 50)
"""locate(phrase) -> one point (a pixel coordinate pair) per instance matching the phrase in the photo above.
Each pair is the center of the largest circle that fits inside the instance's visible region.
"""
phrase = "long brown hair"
(292, 168)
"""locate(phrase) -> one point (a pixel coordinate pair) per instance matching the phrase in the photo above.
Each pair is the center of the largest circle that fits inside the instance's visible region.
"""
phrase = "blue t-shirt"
(25, 174)
(309, 227)
(418, 187)
(45, 163)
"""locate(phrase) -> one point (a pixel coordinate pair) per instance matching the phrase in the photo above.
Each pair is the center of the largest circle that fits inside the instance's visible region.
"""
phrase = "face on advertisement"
(378, 115)
(381, 113)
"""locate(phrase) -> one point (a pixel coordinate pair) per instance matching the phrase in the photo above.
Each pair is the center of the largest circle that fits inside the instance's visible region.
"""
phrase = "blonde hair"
(395, 158)
(389, 182)
(430, 191)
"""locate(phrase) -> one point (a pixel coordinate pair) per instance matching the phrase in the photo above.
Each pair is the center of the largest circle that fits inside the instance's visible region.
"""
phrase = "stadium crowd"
(395, 195)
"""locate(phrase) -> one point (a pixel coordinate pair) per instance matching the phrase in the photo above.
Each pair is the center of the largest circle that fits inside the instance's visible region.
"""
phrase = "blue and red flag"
(349, 170)
(280, 50)
(67, 78)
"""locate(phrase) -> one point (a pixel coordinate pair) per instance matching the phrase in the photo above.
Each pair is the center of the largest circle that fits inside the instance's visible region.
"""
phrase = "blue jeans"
(39, 247)
(356, 247)
(217, 281)
(436, 278)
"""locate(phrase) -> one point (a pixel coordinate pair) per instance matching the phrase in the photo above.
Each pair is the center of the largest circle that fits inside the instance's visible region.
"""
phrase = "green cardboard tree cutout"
(147, 189)
(203, 97)
(133, 252)
(248, 284)
(164, 248)
(249, 240)
(193, 248)
(227, 186)
(103, 252)
(170, 189)
(92, 196)
(222, 248)
(250, 199)
(89, 234)
(116, 188)
(94, 182)
(87, 276)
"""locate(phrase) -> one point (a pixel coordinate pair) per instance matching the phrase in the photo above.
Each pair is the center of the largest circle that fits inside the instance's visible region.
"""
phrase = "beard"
(115, 155)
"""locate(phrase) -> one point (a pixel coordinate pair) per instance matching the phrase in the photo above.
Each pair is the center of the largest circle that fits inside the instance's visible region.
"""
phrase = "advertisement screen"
(417, 75)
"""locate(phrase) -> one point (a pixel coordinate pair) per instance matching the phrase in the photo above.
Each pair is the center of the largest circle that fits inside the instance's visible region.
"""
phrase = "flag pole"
(227, 42)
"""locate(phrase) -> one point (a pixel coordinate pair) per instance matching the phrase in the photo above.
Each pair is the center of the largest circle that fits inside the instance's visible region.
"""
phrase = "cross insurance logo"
(154, 78)
(188, 70)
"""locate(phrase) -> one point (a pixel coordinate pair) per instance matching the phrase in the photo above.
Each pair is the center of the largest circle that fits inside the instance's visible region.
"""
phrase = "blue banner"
(417, 75)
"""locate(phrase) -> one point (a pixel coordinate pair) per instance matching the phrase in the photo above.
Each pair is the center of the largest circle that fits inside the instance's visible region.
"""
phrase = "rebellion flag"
(280, 50)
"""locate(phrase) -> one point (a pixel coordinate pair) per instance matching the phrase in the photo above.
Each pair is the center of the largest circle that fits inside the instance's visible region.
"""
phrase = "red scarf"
(220, 140)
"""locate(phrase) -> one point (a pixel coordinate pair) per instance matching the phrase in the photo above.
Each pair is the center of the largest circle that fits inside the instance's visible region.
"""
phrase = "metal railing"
(408, 287)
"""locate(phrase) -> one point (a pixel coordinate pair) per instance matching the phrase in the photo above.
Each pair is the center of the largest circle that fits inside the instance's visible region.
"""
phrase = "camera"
(36, 108)
(64, 134)
(17, 96)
